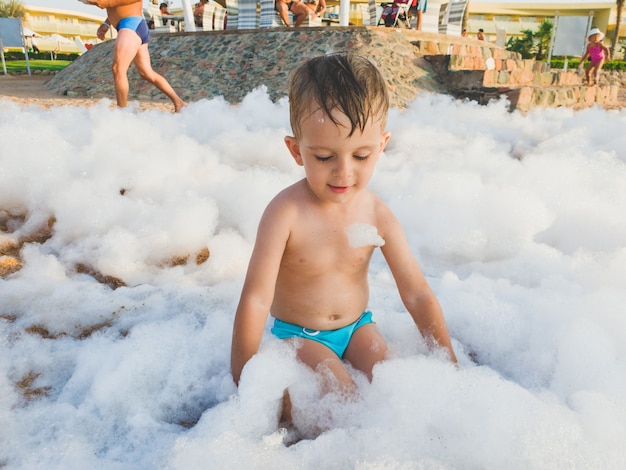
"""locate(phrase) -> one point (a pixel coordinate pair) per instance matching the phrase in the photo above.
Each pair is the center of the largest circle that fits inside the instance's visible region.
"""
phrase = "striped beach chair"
(452, 18)
(219, 17)
(269, 16)
(371, 13)
(207, 17)
(247, 17)
(232, 14)
(310, 21)
(159, 27)
(214, 17)
(430, 18)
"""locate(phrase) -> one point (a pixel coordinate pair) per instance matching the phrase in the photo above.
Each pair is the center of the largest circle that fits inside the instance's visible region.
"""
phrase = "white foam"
(360, 235)
(517, 221)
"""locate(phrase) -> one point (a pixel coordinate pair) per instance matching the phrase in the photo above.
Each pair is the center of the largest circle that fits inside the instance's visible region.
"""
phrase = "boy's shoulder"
(287, 199)
(291, 194)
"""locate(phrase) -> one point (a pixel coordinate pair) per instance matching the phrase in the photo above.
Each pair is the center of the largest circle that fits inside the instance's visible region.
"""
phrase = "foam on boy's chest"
(360, 235)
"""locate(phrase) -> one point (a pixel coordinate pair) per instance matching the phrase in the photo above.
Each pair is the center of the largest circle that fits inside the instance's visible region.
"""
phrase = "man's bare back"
(115, 14)
(308, 293)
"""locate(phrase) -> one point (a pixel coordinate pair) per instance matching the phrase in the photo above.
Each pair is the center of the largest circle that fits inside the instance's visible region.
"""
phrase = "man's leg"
(301, 11)
(283, 10)
(418, 24)
(142, 62)
(126, 46)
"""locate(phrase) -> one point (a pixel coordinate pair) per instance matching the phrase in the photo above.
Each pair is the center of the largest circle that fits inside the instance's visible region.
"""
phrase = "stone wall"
(233, 63)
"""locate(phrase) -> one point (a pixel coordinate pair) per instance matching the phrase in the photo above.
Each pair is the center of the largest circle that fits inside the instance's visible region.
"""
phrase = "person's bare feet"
(178, 105)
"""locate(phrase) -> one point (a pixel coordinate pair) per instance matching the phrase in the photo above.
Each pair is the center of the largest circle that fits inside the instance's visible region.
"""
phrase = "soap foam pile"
(115, 333)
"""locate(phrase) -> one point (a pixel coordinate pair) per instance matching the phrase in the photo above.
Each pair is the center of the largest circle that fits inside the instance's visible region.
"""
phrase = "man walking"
(131, 46)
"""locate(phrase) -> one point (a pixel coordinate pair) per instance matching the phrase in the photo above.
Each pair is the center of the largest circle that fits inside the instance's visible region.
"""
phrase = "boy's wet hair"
(348, 83)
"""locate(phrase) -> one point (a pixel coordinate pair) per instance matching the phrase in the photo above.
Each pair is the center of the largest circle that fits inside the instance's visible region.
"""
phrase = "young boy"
(310, 263)
(597, 52)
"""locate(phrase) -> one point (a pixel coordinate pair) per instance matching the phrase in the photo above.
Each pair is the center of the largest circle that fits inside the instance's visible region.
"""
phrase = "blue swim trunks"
(336, 340)
(136, 24)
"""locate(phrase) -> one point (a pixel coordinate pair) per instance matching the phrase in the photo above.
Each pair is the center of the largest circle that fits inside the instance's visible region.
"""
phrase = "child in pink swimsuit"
(597, 53)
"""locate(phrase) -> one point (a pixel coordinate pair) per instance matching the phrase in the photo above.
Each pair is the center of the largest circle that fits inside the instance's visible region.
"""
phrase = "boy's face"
(337, 166)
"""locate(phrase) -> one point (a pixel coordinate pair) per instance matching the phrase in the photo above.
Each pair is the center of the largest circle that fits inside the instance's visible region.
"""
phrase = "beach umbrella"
(80, 45)
(61, 39)
(30, 33)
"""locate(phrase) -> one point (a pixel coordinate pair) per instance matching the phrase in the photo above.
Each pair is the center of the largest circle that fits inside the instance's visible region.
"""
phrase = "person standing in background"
(597, 53)
(33, 44)
(418, 7)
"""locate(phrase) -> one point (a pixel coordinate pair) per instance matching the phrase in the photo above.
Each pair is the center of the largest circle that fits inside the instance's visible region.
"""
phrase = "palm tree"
(618, 22)
(542, 38)
(11, 9)
(524, 45)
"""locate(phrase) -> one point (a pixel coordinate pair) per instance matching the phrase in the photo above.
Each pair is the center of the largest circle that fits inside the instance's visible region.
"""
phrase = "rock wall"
(233, 63)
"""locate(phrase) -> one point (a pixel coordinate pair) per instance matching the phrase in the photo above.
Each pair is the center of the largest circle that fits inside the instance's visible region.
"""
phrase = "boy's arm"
(258, 289)
(416, 294)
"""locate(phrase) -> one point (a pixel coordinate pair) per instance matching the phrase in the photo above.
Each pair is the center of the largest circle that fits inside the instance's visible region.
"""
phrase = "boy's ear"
(385, 140)
(294, 149)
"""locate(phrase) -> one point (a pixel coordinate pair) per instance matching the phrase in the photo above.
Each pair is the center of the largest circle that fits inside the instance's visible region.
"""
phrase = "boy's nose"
(343, 168)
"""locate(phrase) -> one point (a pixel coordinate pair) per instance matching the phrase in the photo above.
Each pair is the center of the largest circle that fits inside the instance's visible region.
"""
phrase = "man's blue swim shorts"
(136, 24)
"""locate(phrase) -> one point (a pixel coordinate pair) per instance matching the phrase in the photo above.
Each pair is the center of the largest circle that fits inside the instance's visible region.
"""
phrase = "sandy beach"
(31, 90)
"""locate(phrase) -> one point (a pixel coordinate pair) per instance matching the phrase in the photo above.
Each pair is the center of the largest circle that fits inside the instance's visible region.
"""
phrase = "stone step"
(526, 83)
(483, 62)
(524, 78)
(437, 45)
(511, 78)
(525, 98)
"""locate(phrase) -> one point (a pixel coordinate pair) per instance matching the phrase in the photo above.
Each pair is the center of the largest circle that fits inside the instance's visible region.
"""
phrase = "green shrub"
(573, 62)
(15, 55)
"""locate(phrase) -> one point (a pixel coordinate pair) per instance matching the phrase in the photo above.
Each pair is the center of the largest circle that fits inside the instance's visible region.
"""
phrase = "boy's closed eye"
(356, 157)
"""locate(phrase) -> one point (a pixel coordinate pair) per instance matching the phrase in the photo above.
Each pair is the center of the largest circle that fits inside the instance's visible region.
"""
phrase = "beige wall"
(67, 24)
(517, 16)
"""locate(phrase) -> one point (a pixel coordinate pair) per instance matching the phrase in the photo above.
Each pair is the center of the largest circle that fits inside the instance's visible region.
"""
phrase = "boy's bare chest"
(325, 246)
